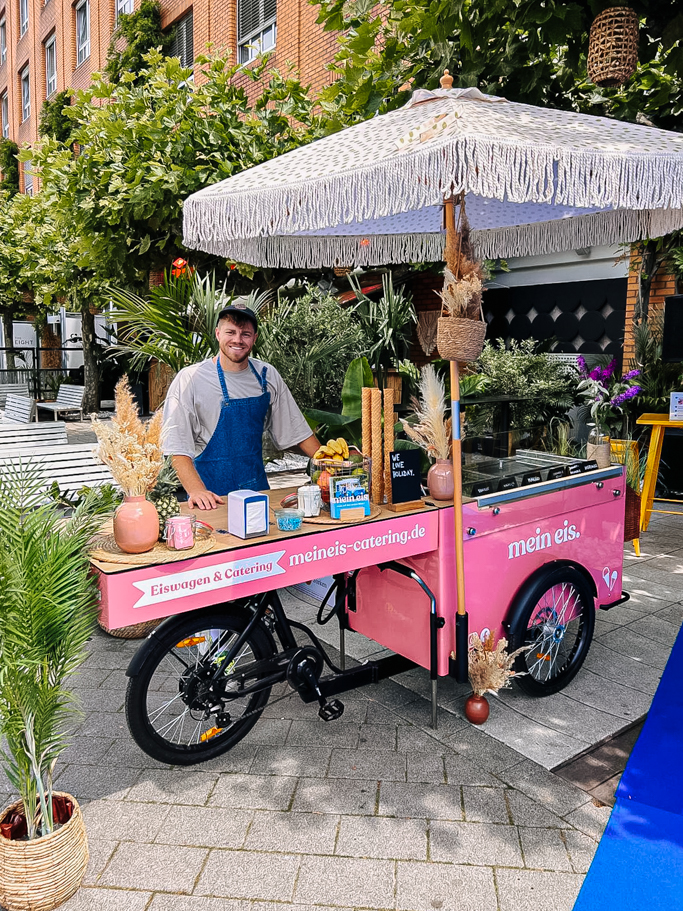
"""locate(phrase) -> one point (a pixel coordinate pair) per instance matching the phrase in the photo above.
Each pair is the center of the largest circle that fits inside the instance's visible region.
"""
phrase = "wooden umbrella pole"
(461, 620)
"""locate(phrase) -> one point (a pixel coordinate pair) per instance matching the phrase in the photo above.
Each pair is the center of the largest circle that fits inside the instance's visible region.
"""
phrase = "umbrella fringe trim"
(306, 252)
(493, 169)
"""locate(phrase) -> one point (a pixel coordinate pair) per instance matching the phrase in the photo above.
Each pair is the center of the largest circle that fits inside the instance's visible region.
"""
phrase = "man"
(216, 412)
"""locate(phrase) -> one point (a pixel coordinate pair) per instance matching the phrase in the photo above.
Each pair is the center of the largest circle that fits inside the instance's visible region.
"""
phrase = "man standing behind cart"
(216, 413)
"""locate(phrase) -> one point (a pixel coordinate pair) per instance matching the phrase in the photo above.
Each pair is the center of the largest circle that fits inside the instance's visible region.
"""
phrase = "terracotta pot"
(476, 709)
(136, 525)
(440, 480)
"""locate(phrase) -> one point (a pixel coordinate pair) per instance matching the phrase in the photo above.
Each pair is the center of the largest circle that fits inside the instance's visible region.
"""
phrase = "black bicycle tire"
(525, 604)
(141, 729)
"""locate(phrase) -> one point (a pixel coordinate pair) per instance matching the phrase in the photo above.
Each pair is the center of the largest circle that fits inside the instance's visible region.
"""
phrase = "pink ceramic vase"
(136, 525)
(440, 480)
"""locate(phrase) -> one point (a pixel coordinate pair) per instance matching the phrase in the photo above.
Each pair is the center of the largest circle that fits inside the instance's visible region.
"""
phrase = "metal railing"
(43, 382)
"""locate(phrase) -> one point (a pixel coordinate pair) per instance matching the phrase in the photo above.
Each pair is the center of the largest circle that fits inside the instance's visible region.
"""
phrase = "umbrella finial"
(446, 81)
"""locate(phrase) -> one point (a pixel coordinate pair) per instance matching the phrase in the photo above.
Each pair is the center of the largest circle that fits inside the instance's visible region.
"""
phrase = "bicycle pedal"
(331, 710)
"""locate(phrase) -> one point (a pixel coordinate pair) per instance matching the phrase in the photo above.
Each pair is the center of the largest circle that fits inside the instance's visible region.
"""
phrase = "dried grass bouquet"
(490, 665)
(431, 431)
(463, 279)
(130, 448)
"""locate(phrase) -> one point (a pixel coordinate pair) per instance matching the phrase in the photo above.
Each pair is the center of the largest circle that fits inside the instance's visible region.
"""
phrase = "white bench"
(72, 467)
(12, 389)
(69, 398)
(14, 436)
(19, 409)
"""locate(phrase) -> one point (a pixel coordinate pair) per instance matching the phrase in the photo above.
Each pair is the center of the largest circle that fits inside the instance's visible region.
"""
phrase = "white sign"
(197, 581)
(676, 406)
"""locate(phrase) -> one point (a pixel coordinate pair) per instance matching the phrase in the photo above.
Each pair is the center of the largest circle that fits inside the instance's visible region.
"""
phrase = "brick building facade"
(50, 45)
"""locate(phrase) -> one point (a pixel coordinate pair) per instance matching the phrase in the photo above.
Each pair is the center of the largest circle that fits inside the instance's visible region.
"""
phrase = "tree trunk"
(91, 369)
(7, 321)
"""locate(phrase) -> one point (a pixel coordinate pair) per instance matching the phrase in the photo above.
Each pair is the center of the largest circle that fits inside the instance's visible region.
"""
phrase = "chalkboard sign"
(555, 473)
(531, 477)
(575, 468)
(405, 475)
(590, 465)
(480, 490)
(508, 483)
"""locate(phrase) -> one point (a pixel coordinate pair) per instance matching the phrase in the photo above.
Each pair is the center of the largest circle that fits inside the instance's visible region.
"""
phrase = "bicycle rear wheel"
(184, 705)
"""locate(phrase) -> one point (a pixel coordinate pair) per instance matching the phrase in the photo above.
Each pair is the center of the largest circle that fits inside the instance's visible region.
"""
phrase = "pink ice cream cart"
(543, 551)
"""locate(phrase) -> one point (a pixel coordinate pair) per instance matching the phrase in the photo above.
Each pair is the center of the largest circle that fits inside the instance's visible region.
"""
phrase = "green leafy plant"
(106, 496)
(657, 379)
(9, 166)
(349, 423)
(388, 324)
(310, 340)
(48, 605)
(175, 323)
(546, 387)
(54, 120)
(142, 32)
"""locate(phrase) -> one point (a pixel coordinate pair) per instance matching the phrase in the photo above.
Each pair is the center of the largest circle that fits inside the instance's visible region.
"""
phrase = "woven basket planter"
(460, 339)
(613, 47)
(134, 631)
(42, 874)
(632, 517)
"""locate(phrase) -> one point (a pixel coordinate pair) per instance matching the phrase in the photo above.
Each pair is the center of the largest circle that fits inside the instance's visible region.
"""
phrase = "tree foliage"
(136, 34)
(149, 142)
(525, 51)
(54, 118)
(9, 166)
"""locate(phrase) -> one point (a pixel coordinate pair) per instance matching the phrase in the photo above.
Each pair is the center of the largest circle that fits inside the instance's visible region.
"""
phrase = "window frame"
(4, 115)
(28, 178)
(25, 77)
(3, 39)
(82, 50)
(250, 44)
(50, 44)
(23, 22)
(119, 11)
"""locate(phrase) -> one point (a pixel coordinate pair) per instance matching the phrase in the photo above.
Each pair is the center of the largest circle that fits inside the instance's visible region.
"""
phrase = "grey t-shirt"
(193, 405)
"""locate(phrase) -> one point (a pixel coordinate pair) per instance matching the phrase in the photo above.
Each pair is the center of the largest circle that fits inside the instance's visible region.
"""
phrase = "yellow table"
(659, 423)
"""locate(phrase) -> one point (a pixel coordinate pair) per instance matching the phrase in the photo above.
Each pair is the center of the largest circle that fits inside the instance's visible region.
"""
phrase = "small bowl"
(202, 531)
(289, 519)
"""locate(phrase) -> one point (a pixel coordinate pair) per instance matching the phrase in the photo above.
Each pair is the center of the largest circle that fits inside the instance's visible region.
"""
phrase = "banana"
(338, 457)
(344, 447)
(335, 447)
(325, 452)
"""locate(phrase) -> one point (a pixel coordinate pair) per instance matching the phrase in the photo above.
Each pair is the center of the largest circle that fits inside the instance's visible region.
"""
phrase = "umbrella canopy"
(535, 181)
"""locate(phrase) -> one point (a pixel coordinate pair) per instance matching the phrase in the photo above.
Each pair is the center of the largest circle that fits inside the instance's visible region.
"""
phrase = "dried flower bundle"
(431, 431)
(462, 297)
(130, 448)
(490, 665)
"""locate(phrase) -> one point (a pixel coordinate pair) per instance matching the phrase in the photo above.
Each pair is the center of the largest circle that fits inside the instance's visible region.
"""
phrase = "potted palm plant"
(48, 606)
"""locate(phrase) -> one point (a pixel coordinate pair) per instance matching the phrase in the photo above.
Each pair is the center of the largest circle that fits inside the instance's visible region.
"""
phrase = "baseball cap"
(242, 309)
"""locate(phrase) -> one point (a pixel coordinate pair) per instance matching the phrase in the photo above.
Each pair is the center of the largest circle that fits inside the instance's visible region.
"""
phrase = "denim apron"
(233, 458)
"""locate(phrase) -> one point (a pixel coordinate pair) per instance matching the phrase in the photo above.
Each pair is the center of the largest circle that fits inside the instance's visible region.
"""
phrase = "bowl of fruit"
(336, 457)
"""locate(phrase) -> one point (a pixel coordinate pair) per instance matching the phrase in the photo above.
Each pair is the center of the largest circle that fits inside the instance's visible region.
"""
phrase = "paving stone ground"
(375, 811)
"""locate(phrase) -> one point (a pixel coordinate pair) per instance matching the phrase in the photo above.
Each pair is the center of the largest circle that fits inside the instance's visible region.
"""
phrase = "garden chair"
(12, 389)
(19, 409)
(69, 399)
(15, 436)
(72, 467)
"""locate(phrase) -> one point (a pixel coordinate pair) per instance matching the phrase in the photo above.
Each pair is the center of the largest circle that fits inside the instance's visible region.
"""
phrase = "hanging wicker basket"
(460, 339)
(632, 516)
(42, 874)
(613, 47)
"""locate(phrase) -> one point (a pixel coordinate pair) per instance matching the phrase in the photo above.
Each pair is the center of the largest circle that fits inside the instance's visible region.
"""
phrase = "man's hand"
(204, 499)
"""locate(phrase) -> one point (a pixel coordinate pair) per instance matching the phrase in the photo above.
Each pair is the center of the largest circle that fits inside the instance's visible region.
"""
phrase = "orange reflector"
(207, 735)
(191, 640)
(544, 657)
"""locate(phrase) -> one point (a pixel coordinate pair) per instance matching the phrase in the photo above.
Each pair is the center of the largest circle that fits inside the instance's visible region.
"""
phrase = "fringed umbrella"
(534, 181)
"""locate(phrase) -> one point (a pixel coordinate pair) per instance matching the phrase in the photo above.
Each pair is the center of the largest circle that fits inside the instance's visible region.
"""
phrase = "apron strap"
(262, 378)
(221, 380)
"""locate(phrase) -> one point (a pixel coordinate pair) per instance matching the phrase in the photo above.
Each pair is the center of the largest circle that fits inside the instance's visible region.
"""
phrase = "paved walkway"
(374, 811)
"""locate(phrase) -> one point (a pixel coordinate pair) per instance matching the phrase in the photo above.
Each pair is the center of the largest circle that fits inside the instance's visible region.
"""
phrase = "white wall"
(591, 264)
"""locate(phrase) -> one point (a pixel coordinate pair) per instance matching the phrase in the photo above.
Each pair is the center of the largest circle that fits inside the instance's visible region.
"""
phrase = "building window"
(3, 40)
(123, 6)
(4, 115)
(28, 179)
(23, 17)
(256, 28)
(82, 31)
(25, 94)
(50, 66)
(182, 46)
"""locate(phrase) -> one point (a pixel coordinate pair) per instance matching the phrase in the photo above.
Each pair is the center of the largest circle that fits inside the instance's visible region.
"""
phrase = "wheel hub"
(198, 690)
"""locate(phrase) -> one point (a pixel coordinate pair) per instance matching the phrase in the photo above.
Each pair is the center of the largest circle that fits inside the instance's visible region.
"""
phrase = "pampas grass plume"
(432, 432)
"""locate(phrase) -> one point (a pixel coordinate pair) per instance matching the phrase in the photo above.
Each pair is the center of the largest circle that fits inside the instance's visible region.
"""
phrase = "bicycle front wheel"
(185, 705)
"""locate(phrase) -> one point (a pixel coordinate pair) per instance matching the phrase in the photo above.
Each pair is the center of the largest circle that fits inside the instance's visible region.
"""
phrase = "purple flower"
(632, 374)
(581, 363)
(607, 372)
(595, 374)
(625, 396)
